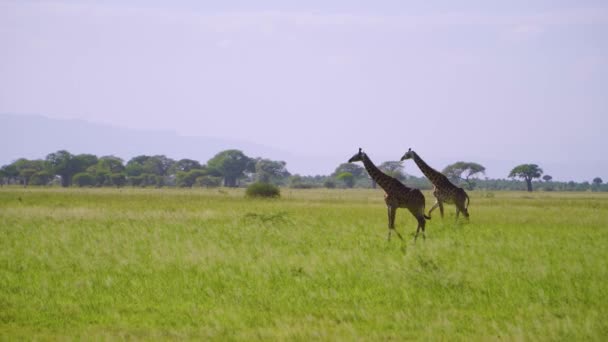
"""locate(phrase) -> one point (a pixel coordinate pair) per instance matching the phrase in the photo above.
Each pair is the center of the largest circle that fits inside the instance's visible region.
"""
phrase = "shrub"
(262, 190)
(330, 184)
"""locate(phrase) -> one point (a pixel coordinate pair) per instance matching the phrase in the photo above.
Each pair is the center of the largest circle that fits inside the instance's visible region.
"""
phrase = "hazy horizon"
(80, 136)
(475, 81)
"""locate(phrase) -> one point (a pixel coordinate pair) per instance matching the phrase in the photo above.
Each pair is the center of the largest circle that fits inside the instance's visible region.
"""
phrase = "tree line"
(232, 168)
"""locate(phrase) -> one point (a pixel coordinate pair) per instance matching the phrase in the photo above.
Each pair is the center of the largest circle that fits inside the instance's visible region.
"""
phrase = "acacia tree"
(463, 171)
(111, 164)
(230, 164)
(356, 171)
(347, 178)
(158, 165)
(547, 178)
(27, 169)
(185, 165)
(393, 169)
(597, 182)
(267, 170)
(528, 172)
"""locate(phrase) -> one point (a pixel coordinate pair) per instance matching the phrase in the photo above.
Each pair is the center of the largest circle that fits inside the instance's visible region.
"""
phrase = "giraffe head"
(357, 157)
(408, 155)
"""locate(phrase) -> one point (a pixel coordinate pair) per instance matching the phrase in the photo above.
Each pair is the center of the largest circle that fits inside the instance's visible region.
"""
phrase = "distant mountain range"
(35, 136)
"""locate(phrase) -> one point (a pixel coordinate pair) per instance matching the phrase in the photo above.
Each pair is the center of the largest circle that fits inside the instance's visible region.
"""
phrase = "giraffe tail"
(467, 207)
(426, 217)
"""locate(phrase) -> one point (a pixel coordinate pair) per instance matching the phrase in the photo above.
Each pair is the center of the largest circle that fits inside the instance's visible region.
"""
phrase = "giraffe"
(443, 190)
(396, 195)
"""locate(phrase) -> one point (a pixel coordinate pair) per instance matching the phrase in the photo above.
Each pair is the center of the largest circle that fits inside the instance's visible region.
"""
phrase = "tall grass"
(212, 264)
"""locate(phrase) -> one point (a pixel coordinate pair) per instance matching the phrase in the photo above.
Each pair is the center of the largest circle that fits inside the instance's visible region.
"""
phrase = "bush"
(262, 190)
(330, 184)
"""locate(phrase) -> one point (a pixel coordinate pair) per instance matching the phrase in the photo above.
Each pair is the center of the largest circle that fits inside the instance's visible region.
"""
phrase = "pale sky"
(521, 81)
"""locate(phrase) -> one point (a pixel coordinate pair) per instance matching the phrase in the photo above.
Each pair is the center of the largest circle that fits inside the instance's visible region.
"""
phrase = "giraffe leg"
(464, 210)
(391, 220)
(441, 209)
(393, 214)
(389, 209)
(421, 224)
(437, 204)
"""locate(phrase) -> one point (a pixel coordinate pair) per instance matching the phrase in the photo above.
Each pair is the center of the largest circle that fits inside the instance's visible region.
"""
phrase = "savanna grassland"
(315, 264)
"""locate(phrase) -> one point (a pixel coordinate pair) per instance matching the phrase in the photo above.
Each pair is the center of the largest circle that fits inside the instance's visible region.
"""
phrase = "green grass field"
(315, 264)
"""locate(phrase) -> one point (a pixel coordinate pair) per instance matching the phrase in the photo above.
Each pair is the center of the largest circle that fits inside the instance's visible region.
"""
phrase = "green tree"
(528, 172)
(82, 179)
(83, 161)
(26, 175)
(119, 179)
(111, 164)
(66, 165)
(41, 178)
(231, 165)
(354, 169)
(463, 171)
(158, 165)
(547, 178)
(134, 169)
(185, 165)
(9, 173)
(26, 169)
(270, 171)
(347, 178)
(209, 181)
(393, 169)
(188, 179)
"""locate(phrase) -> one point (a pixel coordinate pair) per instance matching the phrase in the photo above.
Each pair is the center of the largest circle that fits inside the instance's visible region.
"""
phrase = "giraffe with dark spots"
(443, 190)
(396, 195)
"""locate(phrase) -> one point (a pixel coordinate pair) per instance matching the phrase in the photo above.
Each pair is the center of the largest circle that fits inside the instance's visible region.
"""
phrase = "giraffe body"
(396, 195)
(443, 190)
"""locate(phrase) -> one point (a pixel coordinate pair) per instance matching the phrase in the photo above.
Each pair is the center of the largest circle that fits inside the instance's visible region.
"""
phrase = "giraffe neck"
(433, 175)
(382, 179)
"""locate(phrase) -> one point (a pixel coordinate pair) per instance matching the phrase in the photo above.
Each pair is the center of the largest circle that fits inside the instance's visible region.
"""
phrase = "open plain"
(314, 264)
